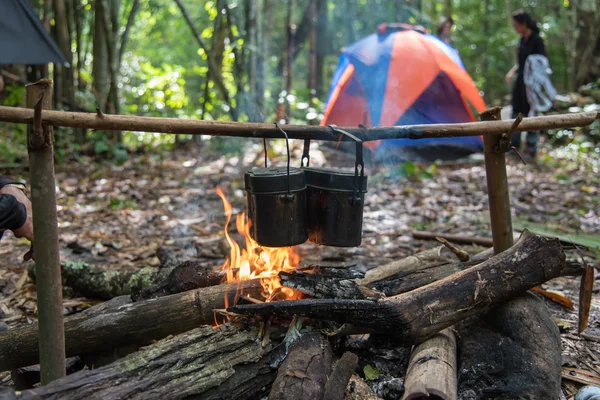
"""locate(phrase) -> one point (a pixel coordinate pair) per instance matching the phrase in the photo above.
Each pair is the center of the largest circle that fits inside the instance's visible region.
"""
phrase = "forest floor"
(116, 216)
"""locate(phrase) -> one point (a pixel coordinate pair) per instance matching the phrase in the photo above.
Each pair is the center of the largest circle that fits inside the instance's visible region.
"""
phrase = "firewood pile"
(186, 334)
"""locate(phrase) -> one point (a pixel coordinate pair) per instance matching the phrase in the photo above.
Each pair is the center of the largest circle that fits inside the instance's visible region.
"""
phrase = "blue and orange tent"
(403, 76)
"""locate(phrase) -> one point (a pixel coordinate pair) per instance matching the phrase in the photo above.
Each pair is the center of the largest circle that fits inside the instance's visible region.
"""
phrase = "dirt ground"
(117, 216)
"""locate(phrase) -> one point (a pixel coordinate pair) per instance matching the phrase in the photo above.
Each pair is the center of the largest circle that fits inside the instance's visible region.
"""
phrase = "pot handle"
(305, 154)
(287, 145)
(359, 165)
(265, 147)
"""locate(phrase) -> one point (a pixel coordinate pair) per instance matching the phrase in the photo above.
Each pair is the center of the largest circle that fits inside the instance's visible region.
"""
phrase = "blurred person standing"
(530, 43)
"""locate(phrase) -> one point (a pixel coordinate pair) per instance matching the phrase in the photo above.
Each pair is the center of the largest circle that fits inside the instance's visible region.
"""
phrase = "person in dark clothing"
(444, 28)
(15, 209)
(531, 43)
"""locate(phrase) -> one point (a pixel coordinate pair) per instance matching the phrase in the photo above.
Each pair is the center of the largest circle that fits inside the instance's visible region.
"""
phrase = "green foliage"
(13, 146)
(413, 171)
(117, 203)
(371, 372)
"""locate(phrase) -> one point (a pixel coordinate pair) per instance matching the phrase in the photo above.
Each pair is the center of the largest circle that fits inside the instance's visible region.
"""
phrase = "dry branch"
(417, 315)
(411, 262)
(262, 130)
(460, 239)
(432, 369)
(124, 324)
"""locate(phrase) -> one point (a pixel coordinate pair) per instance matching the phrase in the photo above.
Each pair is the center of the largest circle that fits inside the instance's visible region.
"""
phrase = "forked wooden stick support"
(40, 144)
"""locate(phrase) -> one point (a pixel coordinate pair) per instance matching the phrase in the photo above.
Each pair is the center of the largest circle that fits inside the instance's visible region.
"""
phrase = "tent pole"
(497, 185)
(40, 144)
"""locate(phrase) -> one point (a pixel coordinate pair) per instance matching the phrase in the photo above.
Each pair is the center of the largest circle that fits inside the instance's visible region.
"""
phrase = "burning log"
(417, 315)
(120, 323)
(432, 369)
(326, 287)
(215, 363)
(303, 374)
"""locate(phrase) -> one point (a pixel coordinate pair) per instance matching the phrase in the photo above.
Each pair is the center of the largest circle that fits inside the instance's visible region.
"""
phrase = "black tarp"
(23, 39)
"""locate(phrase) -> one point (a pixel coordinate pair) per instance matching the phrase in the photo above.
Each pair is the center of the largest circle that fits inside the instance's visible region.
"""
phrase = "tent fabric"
(401, 76)
(23, 39)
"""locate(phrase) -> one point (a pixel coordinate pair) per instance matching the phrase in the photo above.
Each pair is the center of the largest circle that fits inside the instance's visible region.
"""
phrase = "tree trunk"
(588, 42)
(312, 59)
(100, 65)
(212, 363)
(251, 47)
(210, 60)
(322, 48)
(137, 323)
(125, 37)
(262, 43)
(110, 24)
(291, 30)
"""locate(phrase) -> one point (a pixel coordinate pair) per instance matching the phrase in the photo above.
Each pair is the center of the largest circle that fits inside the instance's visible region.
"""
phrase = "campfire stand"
(51, 327)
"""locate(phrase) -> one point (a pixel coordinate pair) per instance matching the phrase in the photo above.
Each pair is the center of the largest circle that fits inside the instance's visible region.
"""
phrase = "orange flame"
(256, 261)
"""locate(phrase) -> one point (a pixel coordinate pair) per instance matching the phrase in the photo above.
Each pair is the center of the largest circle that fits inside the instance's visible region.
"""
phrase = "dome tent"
(23, 39)
(403, 76)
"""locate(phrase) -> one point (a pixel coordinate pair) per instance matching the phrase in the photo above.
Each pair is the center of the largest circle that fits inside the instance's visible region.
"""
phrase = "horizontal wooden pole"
(133, 123)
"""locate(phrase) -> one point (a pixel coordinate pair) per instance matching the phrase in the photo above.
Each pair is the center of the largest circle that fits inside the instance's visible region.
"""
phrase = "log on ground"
(432, 369)
(417, 315)
(304, 373)
(99, 283)
(133, 323)
(179, 367)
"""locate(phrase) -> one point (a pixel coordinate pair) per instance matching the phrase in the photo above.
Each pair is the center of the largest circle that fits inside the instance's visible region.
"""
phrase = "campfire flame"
(256, 261)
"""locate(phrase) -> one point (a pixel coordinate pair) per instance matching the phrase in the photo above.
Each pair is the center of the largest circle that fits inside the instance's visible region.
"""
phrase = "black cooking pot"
(276, 200)
(335, 200)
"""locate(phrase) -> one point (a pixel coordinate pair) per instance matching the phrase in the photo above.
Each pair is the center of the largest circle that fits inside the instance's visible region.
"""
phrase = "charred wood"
(324, 287)
(186, 276)
(417, 315)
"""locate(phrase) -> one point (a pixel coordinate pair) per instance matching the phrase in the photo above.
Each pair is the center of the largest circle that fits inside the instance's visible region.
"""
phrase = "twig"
(488, 242)
(461, 254)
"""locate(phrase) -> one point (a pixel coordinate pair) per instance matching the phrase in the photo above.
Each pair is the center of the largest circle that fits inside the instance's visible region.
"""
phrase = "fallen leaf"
(585, 297)
(371, 372)
(555, 297)
(297, 374)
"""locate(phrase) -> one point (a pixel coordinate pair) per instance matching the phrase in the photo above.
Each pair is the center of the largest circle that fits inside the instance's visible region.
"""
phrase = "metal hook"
(265, 147)
(287, 144)
(359, 166)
